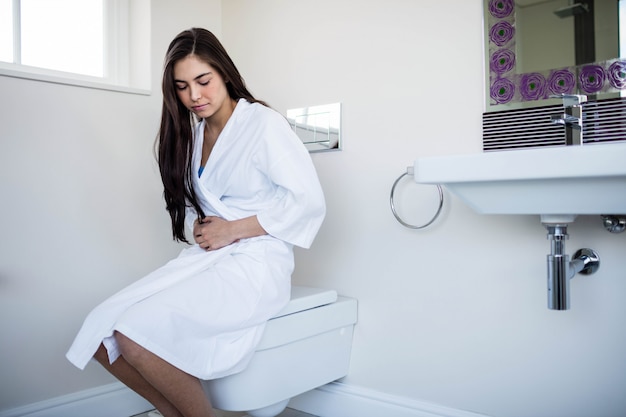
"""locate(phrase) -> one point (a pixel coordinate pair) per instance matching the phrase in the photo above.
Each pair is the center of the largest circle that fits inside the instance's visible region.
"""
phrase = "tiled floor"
(287, 413)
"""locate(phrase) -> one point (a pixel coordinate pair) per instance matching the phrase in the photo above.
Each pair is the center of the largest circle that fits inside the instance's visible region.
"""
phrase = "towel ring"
(402, 222)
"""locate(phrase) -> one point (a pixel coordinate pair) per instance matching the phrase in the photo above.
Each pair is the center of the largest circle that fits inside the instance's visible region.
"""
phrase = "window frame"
(117, 55)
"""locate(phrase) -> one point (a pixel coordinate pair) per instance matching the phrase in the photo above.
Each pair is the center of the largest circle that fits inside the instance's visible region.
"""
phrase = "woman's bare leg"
(123, 371)
(181, 390)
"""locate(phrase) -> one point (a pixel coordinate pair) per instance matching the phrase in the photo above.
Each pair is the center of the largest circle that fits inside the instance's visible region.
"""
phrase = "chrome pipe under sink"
(561, 270)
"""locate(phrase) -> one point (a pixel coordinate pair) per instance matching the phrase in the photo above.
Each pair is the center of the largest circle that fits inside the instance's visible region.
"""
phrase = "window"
(81, 42)
(6, 31)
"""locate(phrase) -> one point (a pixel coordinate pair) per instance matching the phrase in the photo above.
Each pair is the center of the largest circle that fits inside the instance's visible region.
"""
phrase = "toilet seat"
(310, 312)
(304, 298)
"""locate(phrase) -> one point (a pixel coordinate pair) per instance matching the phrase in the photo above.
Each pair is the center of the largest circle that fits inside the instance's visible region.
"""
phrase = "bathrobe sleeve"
(297, 210)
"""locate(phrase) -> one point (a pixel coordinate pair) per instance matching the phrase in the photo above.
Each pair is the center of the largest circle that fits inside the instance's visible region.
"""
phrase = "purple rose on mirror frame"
(561, 82)
(502, 90)
(591, 78)
(501, 33)
(501, 8)
(502, 60)
(532, 86)
(617, 74)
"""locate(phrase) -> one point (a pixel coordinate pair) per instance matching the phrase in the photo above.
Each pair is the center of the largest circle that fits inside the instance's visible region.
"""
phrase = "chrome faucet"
(571, 118)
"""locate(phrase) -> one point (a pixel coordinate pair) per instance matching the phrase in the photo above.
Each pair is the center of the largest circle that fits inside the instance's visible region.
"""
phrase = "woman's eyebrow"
(198, 77)
(202, 75)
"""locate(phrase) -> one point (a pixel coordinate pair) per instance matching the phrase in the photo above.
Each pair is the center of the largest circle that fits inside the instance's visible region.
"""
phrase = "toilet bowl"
(305, 346)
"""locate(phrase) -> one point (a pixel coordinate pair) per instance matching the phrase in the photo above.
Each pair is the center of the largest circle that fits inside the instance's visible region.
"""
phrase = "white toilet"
(305, 346)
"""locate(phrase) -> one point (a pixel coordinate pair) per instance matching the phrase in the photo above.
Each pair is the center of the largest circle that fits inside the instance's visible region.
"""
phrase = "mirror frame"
(506, 87)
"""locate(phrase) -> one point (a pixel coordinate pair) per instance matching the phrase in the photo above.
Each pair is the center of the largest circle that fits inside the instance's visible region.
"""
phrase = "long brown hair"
(174, 145)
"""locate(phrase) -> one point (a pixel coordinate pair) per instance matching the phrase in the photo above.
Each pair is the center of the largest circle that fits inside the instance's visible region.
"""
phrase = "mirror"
(536, 49)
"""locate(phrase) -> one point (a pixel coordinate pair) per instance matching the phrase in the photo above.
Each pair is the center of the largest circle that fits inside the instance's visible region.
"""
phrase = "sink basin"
(551, 182)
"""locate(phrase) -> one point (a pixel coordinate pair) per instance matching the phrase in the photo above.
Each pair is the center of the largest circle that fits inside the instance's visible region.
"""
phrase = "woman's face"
(200, 88)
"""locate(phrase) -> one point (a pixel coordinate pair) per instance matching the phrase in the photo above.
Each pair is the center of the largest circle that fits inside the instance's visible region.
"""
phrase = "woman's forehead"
(190, 68)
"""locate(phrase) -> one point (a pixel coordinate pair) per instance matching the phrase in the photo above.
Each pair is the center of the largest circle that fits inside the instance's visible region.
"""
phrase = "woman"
(236, 173)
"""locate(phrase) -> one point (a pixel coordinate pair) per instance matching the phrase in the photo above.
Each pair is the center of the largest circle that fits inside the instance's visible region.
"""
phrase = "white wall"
(81, 215)
(455, 314)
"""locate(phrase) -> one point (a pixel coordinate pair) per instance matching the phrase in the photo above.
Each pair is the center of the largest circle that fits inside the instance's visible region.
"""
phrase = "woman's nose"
(194, 93)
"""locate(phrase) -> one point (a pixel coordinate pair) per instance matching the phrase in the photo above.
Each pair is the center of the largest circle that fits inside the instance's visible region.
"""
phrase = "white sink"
(559, 182)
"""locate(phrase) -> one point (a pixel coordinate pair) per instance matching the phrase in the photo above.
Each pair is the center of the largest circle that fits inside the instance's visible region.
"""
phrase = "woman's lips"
(199, 108)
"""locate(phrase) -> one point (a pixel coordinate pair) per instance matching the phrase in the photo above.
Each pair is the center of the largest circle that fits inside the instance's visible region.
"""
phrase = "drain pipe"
(561, 270)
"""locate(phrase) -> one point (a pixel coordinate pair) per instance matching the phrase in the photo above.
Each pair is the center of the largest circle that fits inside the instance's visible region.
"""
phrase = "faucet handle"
(570, 100)
(566, 120)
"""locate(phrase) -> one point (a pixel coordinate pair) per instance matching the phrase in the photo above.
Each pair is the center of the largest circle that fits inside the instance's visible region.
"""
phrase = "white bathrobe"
(204, 312)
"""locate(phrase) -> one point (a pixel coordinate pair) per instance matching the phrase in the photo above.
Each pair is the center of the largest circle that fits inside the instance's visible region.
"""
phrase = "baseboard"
(343, 400)
(333, 400)
(112, 400)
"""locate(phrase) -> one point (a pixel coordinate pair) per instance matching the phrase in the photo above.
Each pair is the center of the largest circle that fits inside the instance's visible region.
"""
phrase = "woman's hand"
(212, 233)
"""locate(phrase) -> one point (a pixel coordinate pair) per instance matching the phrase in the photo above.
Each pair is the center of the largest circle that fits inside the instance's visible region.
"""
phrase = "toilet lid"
(305, 298)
